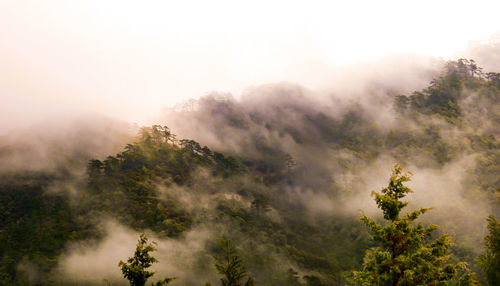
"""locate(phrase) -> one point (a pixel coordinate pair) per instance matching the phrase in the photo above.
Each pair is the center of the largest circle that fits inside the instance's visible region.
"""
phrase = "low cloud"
(93, 261)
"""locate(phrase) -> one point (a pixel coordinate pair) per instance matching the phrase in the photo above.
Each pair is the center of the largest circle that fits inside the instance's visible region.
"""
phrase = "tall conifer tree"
(406, 255)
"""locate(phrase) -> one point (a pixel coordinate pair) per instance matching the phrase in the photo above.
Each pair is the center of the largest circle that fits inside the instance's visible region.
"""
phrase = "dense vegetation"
(407, 255)
(490, 260)
(257, 195)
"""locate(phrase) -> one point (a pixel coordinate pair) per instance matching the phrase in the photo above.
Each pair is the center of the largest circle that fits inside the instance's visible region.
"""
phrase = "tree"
(230, 265)
(260, 204)
(490, 260)
(406, 255)
(135, 270)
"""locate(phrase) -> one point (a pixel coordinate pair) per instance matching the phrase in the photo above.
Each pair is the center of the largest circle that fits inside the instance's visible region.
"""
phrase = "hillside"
(281, 175)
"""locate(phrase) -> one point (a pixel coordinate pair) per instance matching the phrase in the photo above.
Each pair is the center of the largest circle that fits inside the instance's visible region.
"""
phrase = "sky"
(130, 59)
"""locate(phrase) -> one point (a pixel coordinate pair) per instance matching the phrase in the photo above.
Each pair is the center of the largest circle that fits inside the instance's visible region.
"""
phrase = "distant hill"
(284, 180)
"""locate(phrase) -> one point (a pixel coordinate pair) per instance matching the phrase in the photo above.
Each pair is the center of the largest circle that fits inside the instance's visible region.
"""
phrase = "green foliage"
(406, 255)
(125, 184)
(229, 264)
(135, 270)
(389, 200)
(34, 225)
(490, 260)
(168, 185)
(443, 95)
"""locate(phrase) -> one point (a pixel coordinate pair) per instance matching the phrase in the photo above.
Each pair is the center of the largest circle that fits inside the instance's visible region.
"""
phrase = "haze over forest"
(265, 124)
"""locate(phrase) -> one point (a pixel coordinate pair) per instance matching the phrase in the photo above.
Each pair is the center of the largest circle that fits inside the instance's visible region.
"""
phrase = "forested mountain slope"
(283, 177)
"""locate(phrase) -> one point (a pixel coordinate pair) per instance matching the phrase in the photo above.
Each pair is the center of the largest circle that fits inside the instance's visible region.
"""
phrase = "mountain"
(283, 175)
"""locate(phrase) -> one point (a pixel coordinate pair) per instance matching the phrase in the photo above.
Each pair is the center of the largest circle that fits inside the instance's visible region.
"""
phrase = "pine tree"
(229, 264)
(407, 255)
(135, 270)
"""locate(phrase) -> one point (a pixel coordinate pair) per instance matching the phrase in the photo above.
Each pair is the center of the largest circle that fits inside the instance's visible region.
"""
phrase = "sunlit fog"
(268, 143)
(129, 59)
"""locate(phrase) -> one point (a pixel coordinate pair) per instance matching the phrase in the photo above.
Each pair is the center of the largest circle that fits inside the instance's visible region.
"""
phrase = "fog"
(85, 262)
(272, 124)
(63, 142)
(128, 61)
(272, 83)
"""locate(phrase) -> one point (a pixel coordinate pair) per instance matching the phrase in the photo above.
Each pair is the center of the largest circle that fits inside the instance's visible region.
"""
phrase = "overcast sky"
(128, 59)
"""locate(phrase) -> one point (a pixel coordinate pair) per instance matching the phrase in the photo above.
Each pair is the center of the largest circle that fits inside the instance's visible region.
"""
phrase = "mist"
(301, 98)
(325, 147)
(63, 142)
(325, 142)
(129, 61)
(286, 123)
(89, 262)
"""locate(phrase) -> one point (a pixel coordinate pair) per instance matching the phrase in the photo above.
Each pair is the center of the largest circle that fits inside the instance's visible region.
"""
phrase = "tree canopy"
(406, 254)
(229, 264)
(490, 260)
(135, 270)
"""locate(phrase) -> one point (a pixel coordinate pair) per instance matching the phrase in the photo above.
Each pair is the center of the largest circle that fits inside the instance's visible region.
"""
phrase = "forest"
(274, 188)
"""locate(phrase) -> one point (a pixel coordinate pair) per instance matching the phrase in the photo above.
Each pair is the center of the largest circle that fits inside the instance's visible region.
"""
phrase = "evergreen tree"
(490, 260)
(406, 255)
(135, 270)
(229, 264)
